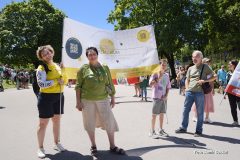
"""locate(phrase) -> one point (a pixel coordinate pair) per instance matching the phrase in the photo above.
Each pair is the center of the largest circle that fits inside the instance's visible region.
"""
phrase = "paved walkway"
(19, 119)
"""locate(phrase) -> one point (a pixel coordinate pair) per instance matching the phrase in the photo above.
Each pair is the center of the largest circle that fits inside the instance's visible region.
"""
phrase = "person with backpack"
(208, 98)
(195, 82)
(51, 80)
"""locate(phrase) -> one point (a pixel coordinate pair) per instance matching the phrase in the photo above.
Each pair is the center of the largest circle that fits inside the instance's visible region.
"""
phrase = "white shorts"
(98, 114)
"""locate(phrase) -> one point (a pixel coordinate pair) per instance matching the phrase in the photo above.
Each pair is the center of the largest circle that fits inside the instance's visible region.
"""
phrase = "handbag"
(205, 86)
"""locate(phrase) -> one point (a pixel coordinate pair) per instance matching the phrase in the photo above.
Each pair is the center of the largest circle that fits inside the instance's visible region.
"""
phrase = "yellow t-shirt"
(48, 82)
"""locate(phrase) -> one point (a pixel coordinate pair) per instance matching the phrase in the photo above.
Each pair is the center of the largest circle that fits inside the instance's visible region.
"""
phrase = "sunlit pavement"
(19, 120)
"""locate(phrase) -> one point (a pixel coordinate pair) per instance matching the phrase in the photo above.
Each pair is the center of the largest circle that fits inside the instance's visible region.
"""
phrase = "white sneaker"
(59, 147)
(207, 120)
(152, 133)
(194, 119)
(41, 153)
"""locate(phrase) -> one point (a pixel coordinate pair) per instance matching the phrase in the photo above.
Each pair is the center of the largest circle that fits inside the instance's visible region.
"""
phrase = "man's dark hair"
(234, 62)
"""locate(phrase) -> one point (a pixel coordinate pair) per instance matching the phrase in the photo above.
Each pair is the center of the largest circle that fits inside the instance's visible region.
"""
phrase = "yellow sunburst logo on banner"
(143, 36)
(107, 46)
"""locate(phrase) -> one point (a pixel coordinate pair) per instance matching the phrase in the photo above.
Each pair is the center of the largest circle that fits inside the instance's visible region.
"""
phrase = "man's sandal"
(93, 151)
(117, 150)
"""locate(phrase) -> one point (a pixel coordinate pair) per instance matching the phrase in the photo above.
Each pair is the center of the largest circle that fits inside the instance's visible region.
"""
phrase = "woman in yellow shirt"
(50, 79)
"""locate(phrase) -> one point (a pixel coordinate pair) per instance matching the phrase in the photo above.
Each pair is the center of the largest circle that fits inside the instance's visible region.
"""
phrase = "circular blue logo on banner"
(73, 48)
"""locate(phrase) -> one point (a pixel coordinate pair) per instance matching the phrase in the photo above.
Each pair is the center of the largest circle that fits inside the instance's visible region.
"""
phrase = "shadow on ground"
(68, 155)
(223, 139)
(1, 107)
(182, 141)
(221, 124)
(133, 102)
(120, 97)
(141, 151)
(102, 155)
(106, 155)
(132, 154)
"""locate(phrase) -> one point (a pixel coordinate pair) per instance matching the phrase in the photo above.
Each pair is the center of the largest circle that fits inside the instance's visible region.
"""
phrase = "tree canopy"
(222, 26)
(182, 25)
(26, 25)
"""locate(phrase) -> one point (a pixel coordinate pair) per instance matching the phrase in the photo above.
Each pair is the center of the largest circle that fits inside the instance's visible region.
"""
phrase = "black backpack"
(35, 85)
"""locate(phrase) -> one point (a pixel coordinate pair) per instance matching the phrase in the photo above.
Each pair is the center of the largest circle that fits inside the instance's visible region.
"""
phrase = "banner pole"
(222, 98)
(62, 39)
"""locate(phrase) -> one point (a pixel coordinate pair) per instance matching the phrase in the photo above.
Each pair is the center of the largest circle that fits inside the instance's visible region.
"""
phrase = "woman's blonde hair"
(42, 48)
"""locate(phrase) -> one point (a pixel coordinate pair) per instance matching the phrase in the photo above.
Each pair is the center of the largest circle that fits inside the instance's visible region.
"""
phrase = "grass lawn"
(7, 86)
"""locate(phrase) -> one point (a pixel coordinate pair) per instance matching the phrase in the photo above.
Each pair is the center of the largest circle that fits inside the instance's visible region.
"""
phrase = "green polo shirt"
(193, 75)
(92, 81)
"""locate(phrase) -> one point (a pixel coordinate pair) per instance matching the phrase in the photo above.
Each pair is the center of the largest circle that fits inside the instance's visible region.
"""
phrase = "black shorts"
(49, 104)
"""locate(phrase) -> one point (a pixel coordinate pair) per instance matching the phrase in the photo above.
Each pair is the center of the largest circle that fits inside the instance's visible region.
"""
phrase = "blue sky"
(91, 12)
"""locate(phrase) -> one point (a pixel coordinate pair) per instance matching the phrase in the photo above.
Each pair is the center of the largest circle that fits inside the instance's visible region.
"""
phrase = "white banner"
(128, 53)
(233, 86)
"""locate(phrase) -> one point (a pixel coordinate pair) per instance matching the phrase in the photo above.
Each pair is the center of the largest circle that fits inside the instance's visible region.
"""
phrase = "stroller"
(1, 85)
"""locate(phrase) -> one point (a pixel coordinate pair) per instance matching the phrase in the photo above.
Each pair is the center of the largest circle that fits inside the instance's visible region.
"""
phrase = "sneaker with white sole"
(208, 120)
(194, 119)
(41, 153)
(59, 148)
(162, 133)
(152, 133)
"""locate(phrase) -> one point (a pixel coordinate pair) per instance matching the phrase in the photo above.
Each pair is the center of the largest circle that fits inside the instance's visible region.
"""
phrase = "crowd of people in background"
(18, 77)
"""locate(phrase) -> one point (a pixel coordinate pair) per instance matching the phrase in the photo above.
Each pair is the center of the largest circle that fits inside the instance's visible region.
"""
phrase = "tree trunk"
(170, 59)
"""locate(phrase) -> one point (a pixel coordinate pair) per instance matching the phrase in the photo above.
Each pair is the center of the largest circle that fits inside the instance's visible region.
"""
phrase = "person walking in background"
(19, 76)
(160, 84)
(13, 76)
(93, 86)
(222, 79)
(25, 79)
(196, 76)
(137, 88)
(51, 80)
(143, 86)
(178, 70)
(181, 77)
(233, 100)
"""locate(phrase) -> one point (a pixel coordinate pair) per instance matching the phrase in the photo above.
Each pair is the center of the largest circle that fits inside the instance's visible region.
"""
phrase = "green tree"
(26, 25)
(177, 22)
(222, 26)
